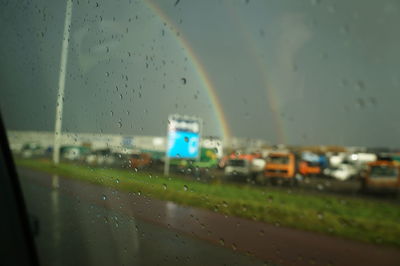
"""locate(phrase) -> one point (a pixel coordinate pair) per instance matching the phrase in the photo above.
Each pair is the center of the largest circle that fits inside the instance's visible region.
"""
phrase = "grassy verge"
(357, 219)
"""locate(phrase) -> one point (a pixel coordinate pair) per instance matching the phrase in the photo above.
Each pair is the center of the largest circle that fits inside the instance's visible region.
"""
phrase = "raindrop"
(104, 197)
(345, 29)
(262, 232)
(360, 103)
(185, 188)
(222, 241)
(372, 101)
(165, 186)
(117, 181)
(111, 113)
(320, 216)
(139, 193)
(119, 124)
(183, 80)
(360, 85)
(234, 247)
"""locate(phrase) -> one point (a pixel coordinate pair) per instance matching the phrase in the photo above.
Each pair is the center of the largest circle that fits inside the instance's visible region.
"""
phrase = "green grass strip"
(352, 218)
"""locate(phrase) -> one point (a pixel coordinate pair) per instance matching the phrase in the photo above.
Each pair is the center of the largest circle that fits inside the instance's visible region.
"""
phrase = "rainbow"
(272, 98)
(200, 70)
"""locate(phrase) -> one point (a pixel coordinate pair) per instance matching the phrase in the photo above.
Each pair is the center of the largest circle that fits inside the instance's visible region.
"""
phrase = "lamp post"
(61, 83)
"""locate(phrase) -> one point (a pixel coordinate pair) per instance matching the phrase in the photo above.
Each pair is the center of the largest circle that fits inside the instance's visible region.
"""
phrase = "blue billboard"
(183, 138)
(183, 144)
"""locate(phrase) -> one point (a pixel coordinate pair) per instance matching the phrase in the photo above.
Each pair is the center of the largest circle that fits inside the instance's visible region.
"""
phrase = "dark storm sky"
(298, 72)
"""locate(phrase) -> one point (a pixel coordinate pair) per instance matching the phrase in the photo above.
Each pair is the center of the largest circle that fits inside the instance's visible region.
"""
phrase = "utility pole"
(61, 83)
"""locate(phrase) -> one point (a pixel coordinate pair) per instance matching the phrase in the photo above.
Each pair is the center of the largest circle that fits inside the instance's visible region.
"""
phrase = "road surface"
(82, 223)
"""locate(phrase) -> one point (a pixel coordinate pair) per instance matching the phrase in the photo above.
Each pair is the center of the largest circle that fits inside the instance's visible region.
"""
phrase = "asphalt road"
(82, 224)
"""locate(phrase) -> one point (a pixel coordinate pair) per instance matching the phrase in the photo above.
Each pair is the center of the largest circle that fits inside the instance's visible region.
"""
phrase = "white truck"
(244, 167)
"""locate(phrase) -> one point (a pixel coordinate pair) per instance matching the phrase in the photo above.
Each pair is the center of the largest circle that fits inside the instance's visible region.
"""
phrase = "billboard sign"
(127, 142)
(183, 137)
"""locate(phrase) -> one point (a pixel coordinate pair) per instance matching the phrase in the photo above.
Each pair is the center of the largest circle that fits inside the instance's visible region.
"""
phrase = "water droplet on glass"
(372, 101)
(345, 29)
(360, 85)
(360, 103)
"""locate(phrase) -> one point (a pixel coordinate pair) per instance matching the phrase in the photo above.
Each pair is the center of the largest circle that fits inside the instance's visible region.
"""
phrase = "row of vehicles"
(136, 159)
(85, 155)
(372, 171)
(275, 168)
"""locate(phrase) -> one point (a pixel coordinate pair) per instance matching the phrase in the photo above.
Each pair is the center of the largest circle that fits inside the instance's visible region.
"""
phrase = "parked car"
(343, 171)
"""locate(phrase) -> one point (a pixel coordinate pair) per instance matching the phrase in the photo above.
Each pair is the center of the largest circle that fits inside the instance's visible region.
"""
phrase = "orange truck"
(309, 168)
(280, 167)
(381, 176)
(140, 160)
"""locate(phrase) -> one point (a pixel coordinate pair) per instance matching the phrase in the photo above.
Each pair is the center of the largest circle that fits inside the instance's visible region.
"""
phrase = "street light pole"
(61, 83)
